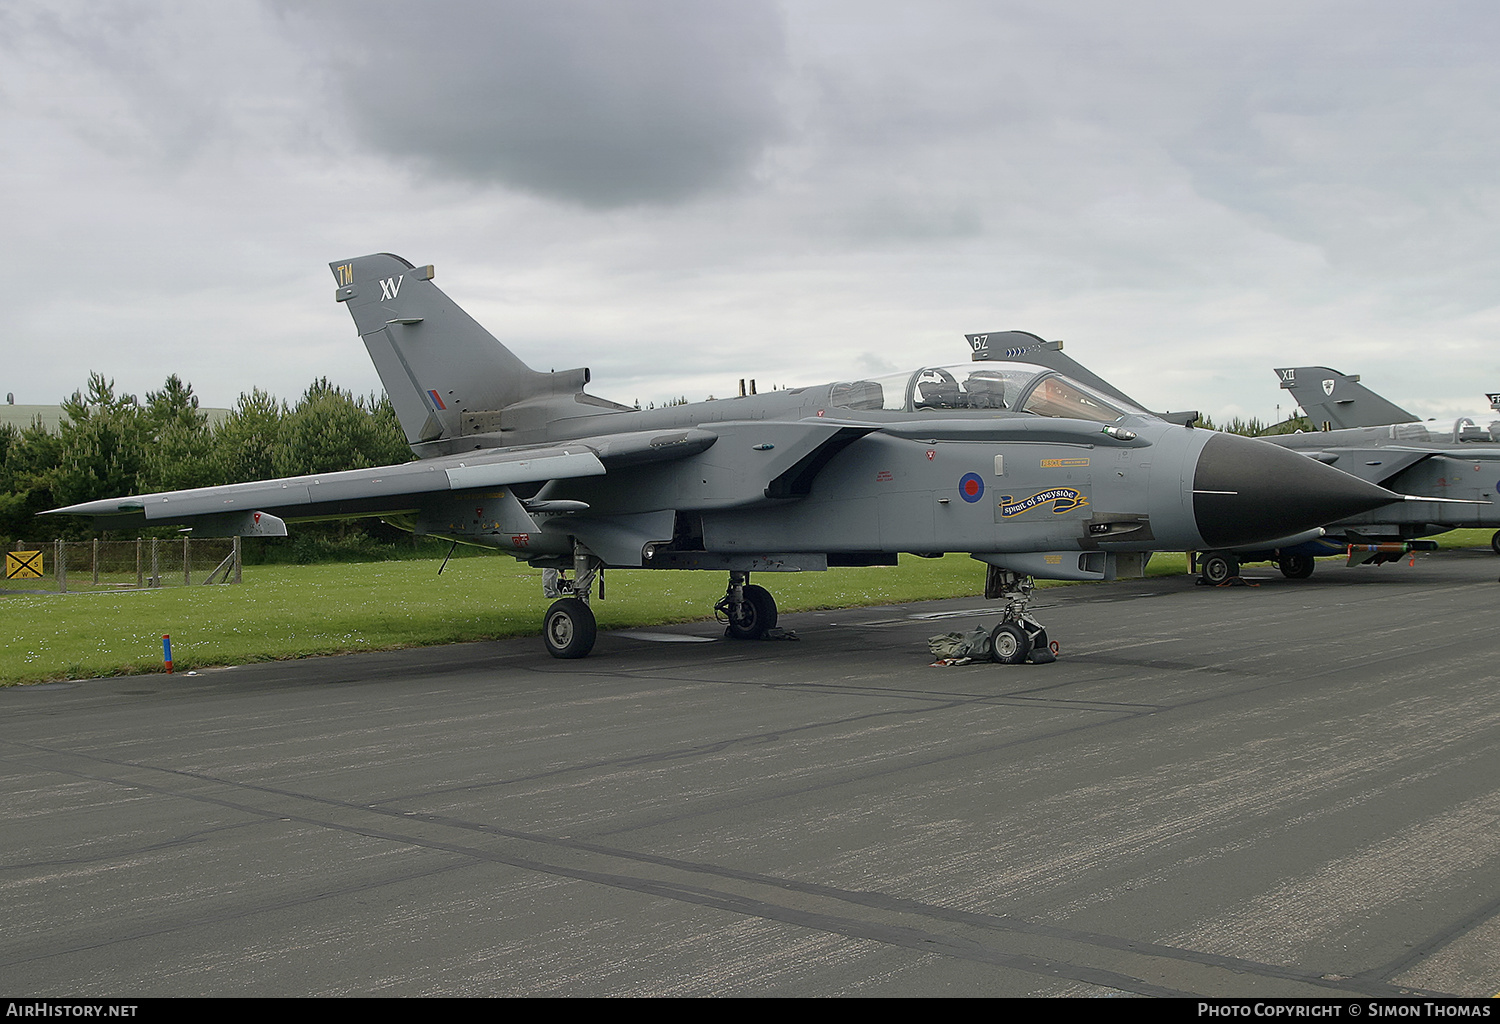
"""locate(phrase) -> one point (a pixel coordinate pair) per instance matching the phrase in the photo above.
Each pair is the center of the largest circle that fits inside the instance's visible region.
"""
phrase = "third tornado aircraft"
(1032, 472)
(1450, 472)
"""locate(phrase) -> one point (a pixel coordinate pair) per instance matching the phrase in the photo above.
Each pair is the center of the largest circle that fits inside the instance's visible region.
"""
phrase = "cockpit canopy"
(1432, 432)
(1014, 387)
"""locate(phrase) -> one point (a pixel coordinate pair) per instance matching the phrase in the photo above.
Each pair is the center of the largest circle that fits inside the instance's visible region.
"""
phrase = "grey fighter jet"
(1450, 473)
(1033, 473)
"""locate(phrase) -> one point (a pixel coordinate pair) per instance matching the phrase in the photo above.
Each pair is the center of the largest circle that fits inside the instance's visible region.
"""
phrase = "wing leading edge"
(381, 490)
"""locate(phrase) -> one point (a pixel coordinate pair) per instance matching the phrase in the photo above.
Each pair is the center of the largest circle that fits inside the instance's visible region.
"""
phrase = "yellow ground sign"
(23, 565)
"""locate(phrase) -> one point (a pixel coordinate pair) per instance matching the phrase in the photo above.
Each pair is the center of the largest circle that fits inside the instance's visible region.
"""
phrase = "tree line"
(1256, 427)
(110, 444)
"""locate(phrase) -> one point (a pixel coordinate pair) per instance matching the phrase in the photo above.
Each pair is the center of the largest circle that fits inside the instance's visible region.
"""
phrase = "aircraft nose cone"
(1247, 491)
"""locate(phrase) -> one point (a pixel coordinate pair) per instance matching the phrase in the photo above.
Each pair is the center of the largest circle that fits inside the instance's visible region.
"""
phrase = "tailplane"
(1335, 401)
(448, 378)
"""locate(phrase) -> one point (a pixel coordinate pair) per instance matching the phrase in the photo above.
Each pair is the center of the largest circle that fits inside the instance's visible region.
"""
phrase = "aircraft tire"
(755, 615)
(1219, 567)
(1296, 567)
(1009, 644)
(569, 629)
(1495, 542)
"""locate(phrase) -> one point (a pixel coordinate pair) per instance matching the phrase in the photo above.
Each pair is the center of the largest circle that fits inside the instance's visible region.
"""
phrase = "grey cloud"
(594, 102)
(1359, 139)
(137, 80)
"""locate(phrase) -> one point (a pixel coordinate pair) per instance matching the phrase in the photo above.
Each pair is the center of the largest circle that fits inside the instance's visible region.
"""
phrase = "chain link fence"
(99, 565)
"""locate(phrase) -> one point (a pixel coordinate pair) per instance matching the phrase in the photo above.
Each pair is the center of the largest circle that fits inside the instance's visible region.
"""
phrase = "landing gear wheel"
(1219, 568)
(1009, 644)
(755, 614)
(1296, 567)
(569, 628)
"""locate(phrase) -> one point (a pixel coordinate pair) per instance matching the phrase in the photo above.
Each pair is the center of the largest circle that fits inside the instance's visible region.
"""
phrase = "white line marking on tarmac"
(955, 615)
(664, 638)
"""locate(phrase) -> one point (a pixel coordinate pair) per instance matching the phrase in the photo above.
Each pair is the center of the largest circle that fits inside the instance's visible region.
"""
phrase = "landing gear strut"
(750, 610)
(569, 629)
(1018, 637)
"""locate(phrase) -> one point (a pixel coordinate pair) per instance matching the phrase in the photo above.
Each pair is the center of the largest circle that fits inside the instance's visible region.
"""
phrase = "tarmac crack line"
(1422, 950)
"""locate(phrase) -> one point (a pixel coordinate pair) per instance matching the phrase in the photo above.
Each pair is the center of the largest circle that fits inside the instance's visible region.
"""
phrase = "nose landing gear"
(1019, 637)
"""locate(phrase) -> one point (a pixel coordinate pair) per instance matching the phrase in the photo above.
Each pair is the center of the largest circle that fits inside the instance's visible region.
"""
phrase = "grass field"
(293, 611)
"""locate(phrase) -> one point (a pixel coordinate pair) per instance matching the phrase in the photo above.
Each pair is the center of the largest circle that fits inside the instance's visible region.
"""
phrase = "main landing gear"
(750, 610)
(1296, 567)
(569, 629)
(1218, 568)
(1018, 637)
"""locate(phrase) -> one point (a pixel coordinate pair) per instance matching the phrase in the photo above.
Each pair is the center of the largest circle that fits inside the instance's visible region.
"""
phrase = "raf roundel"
(971, 487)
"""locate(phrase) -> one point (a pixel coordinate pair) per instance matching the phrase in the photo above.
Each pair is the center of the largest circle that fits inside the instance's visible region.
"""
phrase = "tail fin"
(448, 377)
(1335, 401)
(1025, 347)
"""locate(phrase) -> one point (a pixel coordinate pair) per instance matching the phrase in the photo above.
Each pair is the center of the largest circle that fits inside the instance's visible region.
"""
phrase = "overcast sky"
(680, 193)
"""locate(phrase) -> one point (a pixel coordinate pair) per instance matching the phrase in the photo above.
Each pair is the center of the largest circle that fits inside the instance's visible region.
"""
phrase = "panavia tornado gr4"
(1029, 471)
(1448, 472)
